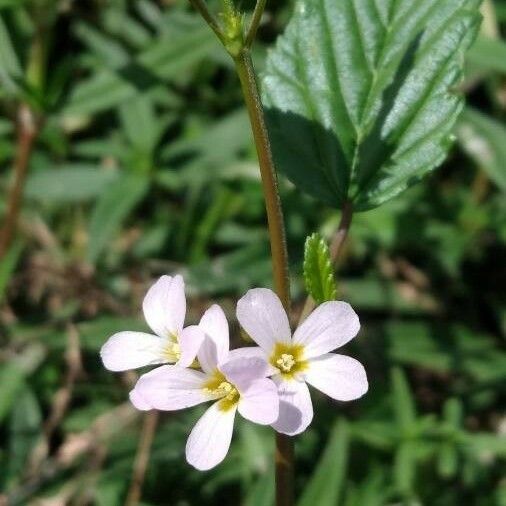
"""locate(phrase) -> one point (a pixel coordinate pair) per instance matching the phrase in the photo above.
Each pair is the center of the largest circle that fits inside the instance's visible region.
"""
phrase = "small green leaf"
(12, 377)
(453, 413)
(318, 271)
(261, 493)
(404, 404)
(10, 68)
(405, 465)
(482, 138)
(488, 54)
(24, 430)
(7, 266)
(112, 209)
(165, 59)
(359, 94)
(110, 52)
(448, 460)
(326, 483)
(140, 124)
(69, 183)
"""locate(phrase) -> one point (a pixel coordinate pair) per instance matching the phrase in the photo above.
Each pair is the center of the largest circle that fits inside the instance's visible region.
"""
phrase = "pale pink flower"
(235, 380)
(164, 309)
(303, 358)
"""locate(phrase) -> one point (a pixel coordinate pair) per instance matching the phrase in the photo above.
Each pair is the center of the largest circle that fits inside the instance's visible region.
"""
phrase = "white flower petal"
(338, 376)
(329, 326)
(260, 402)
(210, 439)
(190, 340)
(165, 306)
(242, 371)
(263, 317)
(253, 352)
(295, 407)
(247, 352)
(138, 401)
(171, 387)
(130, 350)
(215, 348)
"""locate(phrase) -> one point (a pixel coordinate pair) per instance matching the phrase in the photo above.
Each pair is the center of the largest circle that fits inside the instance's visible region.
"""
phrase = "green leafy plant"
(141, 91)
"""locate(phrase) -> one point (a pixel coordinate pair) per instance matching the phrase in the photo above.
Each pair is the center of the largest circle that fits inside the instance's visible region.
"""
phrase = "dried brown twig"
(142, 458)
(61, 400)
(76, 446)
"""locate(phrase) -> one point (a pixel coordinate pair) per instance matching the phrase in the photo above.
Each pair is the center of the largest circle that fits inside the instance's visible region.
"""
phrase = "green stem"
(244, 67)
(201, 7)
(255, 22)
(245, 70)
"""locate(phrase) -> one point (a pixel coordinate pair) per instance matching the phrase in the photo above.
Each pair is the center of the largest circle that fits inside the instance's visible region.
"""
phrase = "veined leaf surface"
(360, 94)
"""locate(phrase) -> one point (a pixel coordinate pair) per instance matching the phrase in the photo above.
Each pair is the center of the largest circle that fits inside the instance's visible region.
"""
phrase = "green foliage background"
(144, 166)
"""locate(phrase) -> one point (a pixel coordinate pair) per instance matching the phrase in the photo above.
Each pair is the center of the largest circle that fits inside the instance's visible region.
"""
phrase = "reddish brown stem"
(284, 470)
(27, 132)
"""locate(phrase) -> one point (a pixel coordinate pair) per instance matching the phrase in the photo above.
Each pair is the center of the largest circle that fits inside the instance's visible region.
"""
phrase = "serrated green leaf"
(325, 485)
(112, 209)
(318, 270)
(358, 94)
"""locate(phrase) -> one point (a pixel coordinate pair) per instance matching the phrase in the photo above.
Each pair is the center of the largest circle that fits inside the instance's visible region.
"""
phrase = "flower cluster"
(266, 384)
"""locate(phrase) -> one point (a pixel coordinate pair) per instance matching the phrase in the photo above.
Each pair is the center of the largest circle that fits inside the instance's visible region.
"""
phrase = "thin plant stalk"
(245, 71)
(201, 7)
(28, 127)
(27, 132)
(238, 47)
(255, 22)
(150, 422)
(284, 444)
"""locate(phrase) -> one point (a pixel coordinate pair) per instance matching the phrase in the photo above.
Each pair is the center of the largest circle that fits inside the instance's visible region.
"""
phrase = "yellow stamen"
(218, 387)
(286, 362)
(288, 359)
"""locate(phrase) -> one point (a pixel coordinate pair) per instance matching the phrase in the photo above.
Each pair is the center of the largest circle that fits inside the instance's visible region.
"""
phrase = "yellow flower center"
(286, 362)
(219, 387)
(288, 359)
(172, 352)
